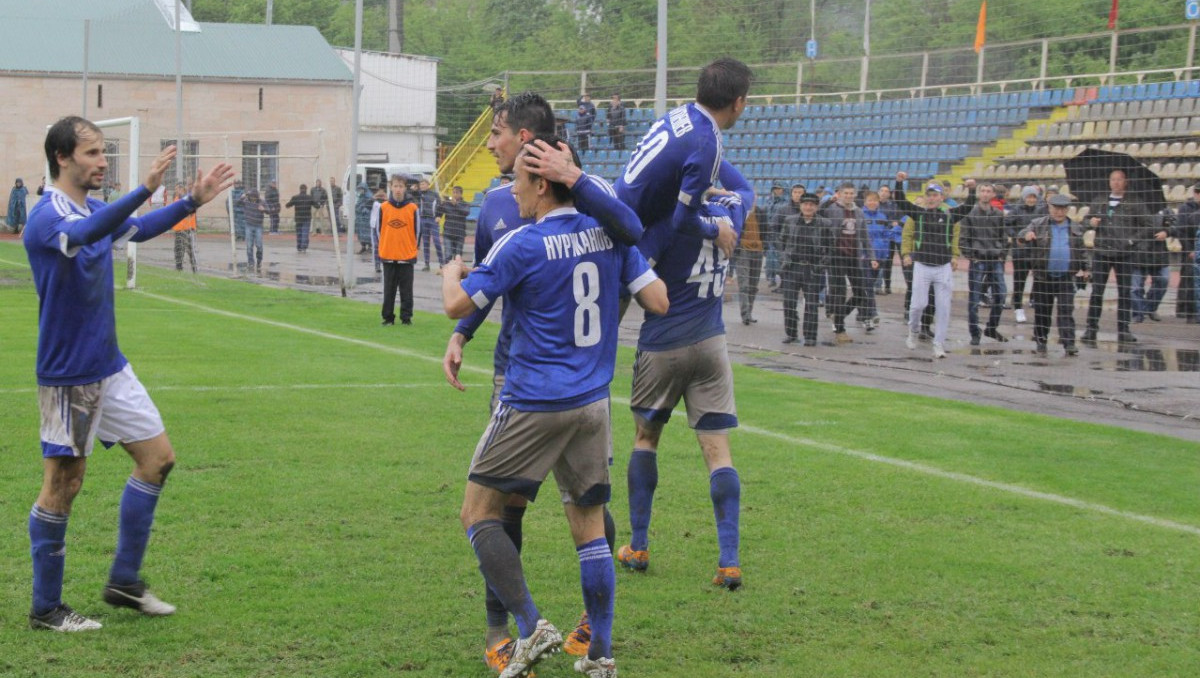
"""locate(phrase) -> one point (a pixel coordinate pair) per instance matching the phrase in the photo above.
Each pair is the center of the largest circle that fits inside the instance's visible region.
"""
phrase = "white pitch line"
(973, 480)
(827, 447)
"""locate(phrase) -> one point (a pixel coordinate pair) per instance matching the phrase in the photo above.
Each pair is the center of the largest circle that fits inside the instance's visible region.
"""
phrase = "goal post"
(122, 149)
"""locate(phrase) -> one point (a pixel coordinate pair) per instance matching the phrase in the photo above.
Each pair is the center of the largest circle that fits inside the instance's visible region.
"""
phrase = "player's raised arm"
(593, 196)
(205, 188)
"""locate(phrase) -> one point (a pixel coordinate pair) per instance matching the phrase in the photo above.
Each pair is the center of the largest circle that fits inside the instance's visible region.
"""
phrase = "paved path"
(1153, 387)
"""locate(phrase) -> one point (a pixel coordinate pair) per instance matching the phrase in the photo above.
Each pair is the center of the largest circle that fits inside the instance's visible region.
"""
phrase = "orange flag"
(981, 27)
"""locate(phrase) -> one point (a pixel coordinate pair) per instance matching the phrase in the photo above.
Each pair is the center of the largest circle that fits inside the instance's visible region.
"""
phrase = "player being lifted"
(683, 354)
(561, 279)
(514, 124)
(86, 388)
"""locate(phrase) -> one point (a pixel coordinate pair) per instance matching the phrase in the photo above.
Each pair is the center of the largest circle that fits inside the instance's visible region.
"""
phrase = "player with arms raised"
(561, 279)
(86, 388)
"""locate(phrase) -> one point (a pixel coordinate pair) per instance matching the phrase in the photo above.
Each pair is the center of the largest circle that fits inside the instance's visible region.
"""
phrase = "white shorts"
(116, 409)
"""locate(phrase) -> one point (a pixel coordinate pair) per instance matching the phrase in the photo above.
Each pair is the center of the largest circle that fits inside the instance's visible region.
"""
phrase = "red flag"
(981, 27)
(1112, 15)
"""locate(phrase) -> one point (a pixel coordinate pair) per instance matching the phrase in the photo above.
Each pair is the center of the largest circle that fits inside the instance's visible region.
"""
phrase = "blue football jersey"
(694, 271)
(70, 254)
(499, 215)
(674, 164)
(561, 280)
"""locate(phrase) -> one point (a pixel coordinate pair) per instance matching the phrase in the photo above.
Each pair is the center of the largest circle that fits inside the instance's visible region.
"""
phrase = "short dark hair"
(723, 82)
(560, 191)
(62, 138)
(846, 184)
(527, 110)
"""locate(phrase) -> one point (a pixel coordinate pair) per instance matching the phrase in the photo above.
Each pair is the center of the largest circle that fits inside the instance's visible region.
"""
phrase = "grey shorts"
(519, 449)
(700, 374)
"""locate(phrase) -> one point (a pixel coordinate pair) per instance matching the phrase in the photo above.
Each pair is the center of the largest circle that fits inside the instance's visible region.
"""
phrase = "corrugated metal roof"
(131, 37)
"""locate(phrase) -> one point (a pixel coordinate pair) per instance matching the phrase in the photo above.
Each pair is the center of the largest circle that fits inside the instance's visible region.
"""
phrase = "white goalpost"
(127, 155)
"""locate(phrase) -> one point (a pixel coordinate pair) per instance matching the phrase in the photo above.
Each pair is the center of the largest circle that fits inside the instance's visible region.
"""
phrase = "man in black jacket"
(1021, 215)
(1122, 223)
(806, 241)
(1056, 256)
(984, 242)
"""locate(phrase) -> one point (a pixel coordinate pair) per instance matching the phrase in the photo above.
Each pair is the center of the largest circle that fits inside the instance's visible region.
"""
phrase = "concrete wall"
(398, 108)
(218, 115)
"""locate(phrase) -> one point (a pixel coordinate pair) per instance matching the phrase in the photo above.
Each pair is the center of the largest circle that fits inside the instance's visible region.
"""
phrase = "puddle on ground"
(1068, 389)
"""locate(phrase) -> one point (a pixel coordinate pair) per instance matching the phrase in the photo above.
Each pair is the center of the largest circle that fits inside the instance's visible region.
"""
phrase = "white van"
(377, 174)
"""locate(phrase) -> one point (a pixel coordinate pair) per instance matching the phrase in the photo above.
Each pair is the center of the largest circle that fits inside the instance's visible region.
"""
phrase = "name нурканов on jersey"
(567, 245)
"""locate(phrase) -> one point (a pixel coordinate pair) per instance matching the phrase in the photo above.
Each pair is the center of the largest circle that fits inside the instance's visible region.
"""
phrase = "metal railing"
(455, 163)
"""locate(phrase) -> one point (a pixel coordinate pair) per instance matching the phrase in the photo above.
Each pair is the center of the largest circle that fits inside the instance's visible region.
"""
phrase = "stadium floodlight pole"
(660, 66)
(866, 58)
(351, 185)
(178, 94)
(87, 34)
(979, 70)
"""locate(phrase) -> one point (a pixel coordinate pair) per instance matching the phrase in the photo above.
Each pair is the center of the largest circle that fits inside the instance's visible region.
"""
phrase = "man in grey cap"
(1054, 246)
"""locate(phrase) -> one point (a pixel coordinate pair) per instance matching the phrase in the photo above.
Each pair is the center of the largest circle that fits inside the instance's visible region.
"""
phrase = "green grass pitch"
(310, 527)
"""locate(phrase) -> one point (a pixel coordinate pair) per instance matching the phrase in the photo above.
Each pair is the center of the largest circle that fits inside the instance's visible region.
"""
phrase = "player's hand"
(1083, 274)
(208, 186)
(553, 164)
(906, 261)
(159, 167)
(452, 361)
(902, 176)
(455, 269)
(1095, 221)
(1030, 236)
(874, 265)
(726, 238)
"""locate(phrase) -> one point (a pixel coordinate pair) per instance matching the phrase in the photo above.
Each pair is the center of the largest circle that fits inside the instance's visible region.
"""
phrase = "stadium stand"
(868, 142)
(1153, 122)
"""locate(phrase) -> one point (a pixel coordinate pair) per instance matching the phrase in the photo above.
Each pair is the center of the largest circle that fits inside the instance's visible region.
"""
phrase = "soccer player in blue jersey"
(86, 388)
(515, 123)
(561, 278)
(682, 355)
(677, 160)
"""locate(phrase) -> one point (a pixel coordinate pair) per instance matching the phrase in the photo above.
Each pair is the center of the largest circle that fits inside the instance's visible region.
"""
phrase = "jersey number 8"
(586, 285)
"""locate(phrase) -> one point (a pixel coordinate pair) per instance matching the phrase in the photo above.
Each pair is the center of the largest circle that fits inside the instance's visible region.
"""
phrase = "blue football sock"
(610, 531)
(137, 515)
(599, 583)
(511, 519)
(500, 564)
(642, 477)
(47, 546)
(725, 488)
